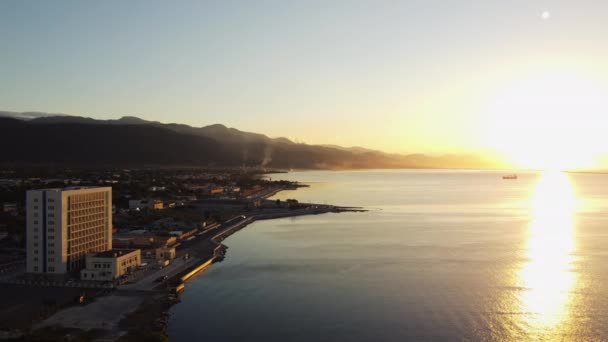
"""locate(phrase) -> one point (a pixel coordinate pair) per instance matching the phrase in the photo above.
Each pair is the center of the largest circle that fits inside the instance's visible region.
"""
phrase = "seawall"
(218, 254)
(196, 270)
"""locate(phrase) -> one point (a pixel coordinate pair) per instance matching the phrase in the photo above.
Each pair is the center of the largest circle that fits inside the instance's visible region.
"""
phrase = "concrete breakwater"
(218, 253)
(196, 270)
(241, 222)
(218, 238)
(212, 250)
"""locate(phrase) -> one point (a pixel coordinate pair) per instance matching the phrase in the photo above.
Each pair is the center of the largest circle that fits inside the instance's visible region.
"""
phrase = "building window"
(35, 207)
(50, 200)
(51, 222)
(35, 221)
(35, 200)
(35, 268)
(51, 269)
(51, 259)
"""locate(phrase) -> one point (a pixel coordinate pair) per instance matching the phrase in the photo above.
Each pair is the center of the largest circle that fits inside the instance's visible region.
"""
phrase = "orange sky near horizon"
(524, 81)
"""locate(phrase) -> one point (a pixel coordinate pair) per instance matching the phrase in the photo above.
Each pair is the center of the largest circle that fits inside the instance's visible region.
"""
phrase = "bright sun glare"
(550, 122)
(550, 245)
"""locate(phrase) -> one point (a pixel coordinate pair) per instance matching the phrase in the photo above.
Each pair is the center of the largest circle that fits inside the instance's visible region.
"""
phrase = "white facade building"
(63, 225)
(110, 265)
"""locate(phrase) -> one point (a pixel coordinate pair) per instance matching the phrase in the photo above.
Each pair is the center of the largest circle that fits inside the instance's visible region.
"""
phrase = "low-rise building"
(163, 241)
(216, 190)
(157, 204)
(183, 234)
(143, 240)
(10, 208)
(138, 204)
(110, 265)
(165, 253)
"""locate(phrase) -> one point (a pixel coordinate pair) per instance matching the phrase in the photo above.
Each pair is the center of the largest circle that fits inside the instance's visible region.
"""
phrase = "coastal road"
(178, 265)
(264, 194)
(201, 248)
(149, 283)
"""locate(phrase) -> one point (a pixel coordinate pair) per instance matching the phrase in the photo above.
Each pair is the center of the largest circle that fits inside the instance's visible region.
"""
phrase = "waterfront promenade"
(149, 298)
(204, 247)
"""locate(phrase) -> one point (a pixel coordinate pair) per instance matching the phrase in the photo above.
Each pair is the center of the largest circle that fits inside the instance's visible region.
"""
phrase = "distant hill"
(354, 149)
(218, 132)
(85, 144)
(74, 140)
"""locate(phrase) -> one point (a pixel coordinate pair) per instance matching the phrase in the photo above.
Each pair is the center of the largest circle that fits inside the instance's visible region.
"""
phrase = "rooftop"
(113, 253)
(73, 188)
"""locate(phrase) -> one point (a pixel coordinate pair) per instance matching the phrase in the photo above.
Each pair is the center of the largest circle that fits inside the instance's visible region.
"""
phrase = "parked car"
(161, 279)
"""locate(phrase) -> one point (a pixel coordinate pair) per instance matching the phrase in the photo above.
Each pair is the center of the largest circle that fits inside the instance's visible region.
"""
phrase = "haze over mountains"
(33, 137)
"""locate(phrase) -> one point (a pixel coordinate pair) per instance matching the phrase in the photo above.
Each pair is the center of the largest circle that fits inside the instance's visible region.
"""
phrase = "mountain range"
(42, 138)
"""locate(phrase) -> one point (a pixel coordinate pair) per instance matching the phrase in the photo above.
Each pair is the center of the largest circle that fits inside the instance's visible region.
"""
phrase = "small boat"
(513, 176)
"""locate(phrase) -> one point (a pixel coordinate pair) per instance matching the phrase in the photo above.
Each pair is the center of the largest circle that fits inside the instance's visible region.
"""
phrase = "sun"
(546, 15)
(549, 122)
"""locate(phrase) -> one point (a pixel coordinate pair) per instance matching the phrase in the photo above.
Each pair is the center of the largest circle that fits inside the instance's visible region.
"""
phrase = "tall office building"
(63, 225)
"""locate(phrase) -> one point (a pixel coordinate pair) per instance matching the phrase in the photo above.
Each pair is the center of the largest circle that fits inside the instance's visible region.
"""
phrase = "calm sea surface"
(441, 255)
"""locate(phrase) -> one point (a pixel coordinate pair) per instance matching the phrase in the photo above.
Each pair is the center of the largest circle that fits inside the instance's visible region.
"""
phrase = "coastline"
(140, 310)
(150, 319)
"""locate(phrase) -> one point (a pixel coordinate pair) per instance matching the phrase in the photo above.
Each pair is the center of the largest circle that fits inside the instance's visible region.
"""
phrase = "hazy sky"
(402, 76)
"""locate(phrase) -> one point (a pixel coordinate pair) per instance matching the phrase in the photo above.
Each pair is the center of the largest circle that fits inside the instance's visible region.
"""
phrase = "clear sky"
(401, 76)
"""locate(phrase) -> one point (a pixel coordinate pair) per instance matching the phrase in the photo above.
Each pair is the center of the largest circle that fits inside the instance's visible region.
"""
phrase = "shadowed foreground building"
(63, 225)
(111, 264)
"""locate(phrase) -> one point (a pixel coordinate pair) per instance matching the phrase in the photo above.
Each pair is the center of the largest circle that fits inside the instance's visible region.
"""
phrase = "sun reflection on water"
(546, 275)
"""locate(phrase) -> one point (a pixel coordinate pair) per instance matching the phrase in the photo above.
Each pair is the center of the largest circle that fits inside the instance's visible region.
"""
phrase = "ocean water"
(440, 255)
